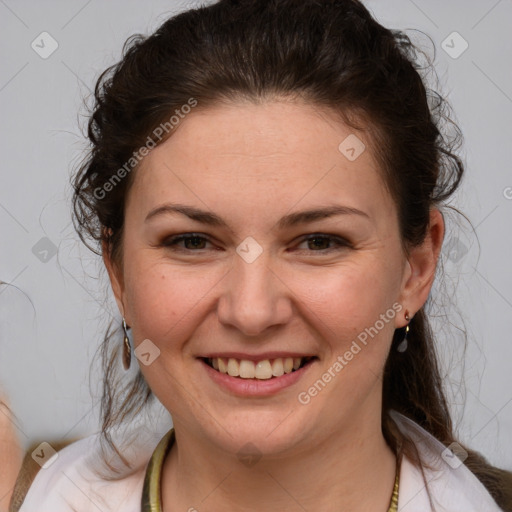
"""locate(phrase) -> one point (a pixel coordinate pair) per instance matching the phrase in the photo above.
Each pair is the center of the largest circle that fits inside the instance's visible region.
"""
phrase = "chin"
(270, 434)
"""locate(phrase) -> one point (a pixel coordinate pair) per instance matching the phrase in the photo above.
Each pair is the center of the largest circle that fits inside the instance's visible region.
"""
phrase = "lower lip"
(256, 387)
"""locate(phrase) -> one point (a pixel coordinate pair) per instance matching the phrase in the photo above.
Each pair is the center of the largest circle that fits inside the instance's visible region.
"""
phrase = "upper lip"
(254, 357)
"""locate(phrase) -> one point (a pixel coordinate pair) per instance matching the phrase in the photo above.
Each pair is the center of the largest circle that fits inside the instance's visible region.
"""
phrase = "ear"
(115, 275)
(421, 266)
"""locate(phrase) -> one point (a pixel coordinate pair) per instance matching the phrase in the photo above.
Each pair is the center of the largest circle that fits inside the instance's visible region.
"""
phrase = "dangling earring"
(127, 349)
(402, 347)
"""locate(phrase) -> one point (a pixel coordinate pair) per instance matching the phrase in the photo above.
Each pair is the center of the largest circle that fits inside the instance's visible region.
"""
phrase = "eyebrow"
(290, 220)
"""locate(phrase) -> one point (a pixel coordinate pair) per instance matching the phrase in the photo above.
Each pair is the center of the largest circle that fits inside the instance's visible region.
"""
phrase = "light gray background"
(52, 319)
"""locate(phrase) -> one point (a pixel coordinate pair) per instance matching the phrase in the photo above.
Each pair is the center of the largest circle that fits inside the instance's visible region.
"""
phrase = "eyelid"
(338, 241)
(173, 240)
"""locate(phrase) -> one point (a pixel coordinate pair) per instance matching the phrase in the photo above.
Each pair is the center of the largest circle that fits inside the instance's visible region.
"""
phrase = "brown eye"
(322, 243)
(192, 242)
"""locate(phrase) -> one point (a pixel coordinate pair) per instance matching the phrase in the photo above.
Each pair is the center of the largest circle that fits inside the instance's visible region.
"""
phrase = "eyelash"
(338, 241)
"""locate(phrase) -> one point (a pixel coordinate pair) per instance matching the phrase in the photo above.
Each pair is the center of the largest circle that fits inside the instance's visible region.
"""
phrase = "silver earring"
(127, 349)
(402, 347)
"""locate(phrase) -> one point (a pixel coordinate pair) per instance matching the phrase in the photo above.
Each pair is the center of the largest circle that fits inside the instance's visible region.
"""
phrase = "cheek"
(168, 302)
(351, 303)
(163, 300)
(350, 294)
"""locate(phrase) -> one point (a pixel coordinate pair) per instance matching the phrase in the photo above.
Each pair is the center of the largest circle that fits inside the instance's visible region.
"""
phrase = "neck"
(348, 471)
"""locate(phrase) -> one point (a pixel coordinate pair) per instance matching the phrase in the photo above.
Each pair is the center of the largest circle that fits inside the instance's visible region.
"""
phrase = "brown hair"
(330, 53)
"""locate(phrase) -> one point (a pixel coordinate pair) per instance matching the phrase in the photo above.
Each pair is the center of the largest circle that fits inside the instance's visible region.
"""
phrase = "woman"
(265, 186)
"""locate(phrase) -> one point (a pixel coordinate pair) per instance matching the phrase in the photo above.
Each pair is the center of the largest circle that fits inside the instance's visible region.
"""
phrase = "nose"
(254, 299)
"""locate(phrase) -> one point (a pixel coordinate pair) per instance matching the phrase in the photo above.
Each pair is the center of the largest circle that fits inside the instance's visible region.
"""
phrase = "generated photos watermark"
(179, 114)
(343, 360)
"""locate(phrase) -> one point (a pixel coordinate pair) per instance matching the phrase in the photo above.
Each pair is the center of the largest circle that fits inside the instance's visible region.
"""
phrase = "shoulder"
(68, 481)
(450, 485)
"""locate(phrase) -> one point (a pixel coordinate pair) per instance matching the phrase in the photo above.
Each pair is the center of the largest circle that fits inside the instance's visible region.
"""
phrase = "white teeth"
(277, 367)
(233, 369)
(262, 370)
(223, 368)
(247, 370)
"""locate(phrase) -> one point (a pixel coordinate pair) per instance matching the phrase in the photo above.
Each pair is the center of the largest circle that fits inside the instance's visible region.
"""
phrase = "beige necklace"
(151, 496)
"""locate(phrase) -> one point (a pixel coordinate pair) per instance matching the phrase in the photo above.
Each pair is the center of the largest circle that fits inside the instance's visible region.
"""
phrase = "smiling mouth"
(260, 370)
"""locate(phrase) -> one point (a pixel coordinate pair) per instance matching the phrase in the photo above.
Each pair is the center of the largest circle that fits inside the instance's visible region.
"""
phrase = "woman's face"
(252, 288)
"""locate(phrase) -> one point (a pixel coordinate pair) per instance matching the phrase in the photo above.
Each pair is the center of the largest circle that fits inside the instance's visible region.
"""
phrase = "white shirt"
(69, 485)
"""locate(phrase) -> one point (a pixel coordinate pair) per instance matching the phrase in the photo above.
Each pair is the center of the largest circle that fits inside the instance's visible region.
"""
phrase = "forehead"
(269, 154)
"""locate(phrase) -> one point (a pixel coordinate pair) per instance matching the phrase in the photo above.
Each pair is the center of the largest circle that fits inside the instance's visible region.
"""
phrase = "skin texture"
(10, 454)
(251, 165)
